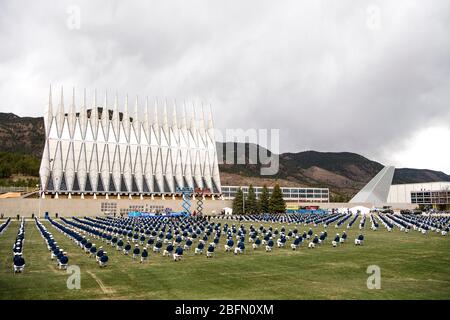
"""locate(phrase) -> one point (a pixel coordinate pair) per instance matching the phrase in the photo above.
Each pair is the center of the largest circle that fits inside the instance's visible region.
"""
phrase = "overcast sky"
(366, 77)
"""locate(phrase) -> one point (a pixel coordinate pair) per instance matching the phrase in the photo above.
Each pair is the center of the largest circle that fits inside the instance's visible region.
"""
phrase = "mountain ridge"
(343, 172)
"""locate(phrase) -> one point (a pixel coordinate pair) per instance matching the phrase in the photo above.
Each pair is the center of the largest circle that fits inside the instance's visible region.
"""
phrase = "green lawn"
(413, 266)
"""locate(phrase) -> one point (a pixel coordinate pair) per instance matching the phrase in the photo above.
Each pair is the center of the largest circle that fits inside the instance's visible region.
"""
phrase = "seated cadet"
(210, 251)
(188, 244)
(157, 247)
(150, 242)
(256, 244)
(343, 238)
(54, 252)
(445, 232)
(63, 261)
(309, 234)
(136, 251)
(199, 249)
(103, 260)
(127, 248)
(100, 252)
(289, 235)
(87, 247)
(296, 243)
(108, 238)
(322, 237)
(229, 245)
(59, 254)
(142, 240)
(359, 240)
(18, 263)
(204, 239)
(82, 242)
(114, 241)
(216, 241)
(281, 242)
(266, 239)
(144, 255)
(239, 248)
(178, 253)
(336, 240)
(93, 250)
(120, 245)
(312, 244)
(269, 245)
(169, 250)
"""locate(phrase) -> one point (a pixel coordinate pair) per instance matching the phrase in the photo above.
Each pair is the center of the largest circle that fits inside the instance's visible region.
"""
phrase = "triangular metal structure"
(104, 150)
(377, 190)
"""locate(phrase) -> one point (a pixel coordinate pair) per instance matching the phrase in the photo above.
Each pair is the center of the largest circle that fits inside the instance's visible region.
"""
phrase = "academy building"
(102, 151)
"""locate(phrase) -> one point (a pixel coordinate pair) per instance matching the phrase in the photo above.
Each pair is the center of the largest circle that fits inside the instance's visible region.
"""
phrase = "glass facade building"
(290, 194)
(431, 197)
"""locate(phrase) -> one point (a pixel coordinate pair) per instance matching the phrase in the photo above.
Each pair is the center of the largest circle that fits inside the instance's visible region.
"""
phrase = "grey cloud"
(314, 69)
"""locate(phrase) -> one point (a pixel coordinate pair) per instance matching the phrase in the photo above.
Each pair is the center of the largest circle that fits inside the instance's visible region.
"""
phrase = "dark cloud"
(361, 76)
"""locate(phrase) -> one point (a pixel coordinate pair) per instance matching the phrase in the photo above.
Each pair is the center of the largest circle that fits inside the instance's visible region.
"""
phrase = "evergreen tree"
(250, 203)
(277, 203)
(263, 202)
(238, 202)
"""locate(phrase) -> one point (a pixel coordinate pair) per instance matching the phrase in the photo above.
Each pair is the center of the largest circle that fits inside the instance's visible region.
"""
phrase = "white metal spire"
(142, 155)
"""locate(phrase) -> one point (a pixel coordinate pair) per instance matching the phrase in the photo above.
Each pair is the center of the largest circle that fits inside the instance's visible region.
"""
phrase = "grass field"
(413, 266)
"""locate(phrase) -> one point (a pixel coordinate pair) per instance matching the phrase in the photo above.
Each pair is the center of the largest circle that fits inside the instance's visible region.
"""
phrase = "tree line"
(16, 163)
(250, 204)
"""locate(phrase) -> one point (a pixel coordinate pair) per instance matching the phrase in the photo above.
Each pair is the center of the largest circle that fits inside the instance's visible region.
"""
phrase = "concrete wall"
(83, 207)
(92, 207)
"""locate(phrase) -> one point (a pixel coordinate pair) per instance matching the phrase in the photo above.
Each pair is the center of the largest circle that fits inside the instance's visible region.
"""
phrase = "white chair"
(18, 269)
(280, 243)
(311, 245)
(176, 257)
